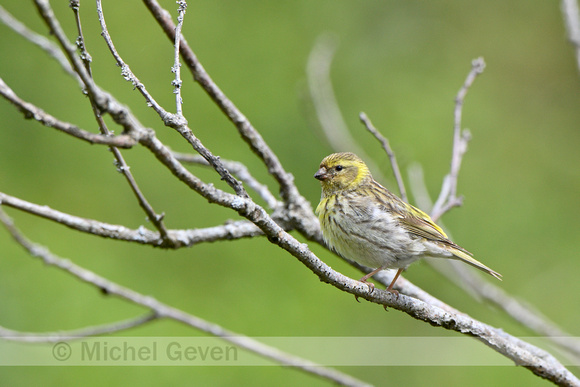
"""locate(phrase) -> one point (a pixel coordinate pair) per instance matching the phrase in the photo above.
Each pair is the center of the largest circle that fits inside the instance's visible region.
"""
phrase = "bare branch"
(387, 148)
(31, 111)
(161, 310)
(51, 21)
(152, 216)
(448, 196)
(126, 72)
(177, 65)
(179, 238)
(572, 20)
(54, 337)
(213, 160)
(80, 41)
(321, 91)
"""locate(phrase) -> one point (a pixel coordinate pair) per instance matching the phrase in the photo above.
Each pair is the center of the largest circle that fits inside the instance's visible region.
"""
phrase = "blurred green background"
(400, 62)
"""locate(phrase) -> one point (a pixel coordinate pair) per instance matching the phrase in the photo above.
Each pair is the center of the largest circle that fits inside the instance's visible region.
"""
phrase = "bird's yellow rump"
(364, 222)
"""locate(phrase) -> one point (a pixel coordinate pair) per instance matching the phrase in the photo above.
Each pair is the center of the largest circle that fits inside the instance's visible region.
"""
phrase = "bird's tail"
(463, 256)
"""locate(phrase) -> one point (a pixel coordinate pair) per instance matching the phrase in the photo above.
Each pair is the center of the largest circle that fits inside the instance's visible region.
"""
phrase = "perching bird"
(364, 222)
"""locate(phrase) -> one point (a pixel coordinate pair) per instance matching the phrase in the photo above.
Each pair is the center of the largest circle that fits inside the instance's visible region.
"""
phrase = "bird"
(365, 222)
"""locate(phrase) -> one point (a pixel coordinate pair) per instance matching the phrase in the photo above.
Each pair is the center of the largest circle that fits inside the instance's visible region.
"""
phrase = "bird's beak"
(321, 174)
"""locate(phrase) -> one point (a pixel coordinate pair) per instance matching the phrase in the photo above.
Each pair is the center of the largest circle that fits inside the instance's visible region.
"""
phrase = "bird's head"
(342, 171)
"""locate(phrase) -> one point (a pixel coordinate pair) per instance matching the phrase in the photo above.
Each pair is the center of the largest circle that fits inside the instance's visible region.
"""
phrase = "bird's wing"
(420, 224)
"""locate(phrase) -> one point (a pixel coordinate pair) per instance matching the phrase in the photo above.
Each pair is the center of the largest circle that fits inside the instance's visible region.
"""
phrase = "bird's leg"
(390, 288)
(369, 284)
(369, 275)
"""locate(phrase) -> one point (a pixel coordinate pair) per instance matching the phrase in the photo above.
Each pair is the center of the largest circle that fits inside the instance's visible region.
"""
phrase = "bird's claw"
(371, 289)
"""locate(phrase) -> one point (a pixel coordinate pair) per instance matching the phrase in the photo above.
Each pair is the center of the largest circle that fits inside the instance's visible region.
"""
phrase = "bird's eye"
(339, 168)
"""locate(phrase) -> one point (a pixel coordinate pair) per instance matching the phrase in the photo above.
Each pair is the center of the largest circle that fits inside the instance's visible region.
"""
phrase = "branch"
(387, 148)
(161, 310)
(77, 65)
(531, 357)
(177, 65)
(179, 238)
(104, 102)
(448, 196)
(521, 312)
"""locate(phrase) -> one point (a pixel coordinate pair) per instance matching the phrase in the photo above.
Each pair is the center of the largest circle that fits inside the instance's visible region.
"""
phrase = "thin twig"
(448, 197)
(47, 14)
(126, 72)
(322, 95)
(571, 15)
(53, 337)
(177, 65)
(106, 102)
(162, 310)
(80, 41)
(387, 148)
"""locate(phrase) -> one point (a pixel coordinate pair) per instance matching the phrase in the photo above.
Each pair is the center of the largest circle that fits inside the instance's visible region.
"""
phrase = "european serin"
(364, 222)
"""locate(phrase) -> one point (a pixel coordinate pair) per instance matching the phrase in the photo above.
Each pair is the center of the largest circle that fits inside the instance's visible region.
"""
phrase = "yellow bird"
(363, 221)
